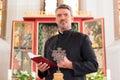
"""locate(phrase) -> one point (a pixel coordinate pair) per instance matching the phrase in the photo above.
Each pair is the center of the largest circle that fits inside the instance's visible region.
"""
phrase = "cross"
(58, 55)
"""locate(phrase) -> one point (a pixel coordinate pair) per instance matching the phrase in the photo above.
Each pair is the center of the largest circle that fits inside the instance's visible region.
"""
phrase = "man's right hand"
(43, 67)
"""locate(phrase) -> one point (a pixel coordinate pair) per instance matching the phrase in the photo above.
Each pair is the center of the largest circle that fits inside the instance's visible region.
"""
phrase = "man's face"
(63, 19)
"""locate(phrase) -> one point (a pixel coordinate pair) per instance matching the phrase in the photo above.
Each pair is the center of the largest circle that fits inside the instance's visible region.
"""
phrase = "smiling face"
(63, 19)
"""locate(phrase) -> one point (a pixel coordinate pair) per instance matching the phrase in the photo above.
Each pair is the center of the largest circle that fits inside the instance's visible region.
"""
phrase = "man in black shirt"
(80, 58)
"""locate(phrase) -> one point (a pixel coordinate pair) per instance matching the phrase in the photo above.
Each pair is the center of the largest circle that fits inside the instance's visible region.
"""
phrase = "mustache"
(62, 20)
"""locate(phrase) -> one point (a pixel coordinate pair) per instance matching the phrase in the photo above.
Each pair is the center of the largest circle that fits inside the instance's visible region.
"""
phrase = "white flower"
(24, 73)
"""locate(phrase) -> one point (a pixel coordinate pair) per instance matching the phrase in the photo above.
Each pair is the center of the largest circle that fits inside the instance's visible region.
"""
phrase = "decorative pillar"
(42, 5)
(116, 19)
(59, 2)
(4, 17)
(81, 5)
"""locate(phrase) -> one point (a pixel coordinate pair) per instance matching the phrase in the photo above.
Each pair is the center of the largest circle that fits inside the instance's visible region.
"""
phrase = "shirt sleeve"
(42, 74)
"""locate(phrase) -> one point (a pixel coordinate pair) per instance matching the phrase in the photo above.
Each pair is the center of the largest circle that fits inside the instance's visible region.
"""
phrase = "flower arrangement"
(96, 76)
(24, 75)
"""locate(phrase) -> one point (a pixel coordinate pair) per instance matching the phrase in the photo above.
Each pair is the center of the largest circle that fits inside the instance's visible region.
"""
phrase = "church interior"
(25, 25)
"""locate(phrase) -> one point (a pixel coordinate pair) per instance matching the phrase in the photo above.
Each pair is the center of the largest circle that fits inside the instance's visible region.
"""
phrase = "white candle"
(9, 74)
(108, 74)
(34, 76)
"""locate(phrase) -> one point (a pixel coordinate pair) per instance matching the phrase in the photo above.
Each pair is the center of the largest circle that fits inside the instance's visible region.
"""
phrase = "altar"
(33, 32)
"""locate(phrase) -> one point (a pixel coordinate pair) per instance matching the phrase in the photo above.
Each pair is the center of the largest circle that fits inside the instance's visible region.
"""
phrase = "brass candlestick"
(58, 76)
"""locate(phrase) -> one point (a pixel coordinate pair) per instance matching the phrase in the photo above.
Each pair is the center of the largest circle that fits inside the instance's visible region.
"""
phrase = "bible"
(38, 58)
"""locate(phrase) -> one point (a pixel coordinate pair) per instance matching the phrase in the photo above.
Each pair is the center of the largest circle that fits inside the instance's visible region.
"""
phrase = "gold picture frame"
(22, 43)
(94, 28)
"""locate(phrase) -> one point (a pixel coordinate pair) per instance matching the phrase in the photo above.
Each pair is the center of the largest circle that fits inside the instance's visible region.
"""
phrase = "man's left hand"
(65, 63)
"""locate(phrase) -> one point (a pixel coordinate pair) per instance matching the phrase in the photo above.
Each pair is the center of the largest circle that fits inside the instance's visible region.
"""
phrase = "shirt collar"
(66, 32)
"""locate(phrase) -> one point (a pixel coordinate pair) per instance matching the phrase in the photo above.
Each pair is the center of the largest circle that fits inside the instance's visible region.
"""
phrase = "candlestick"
(58, 75)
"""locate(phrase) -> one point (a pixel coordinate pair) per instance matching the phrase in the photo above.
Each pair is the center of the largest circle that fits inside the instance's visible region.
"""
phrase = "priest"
(79, 59)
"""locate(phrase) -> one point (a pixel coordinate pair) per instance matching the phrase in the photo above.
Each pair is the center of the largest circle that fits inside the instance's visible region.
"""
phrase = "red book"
(38, 58)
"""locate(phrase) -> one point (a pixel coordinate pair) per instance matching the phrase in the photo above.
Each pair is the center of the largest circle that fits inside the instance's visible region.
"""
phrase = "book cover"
(38, 58)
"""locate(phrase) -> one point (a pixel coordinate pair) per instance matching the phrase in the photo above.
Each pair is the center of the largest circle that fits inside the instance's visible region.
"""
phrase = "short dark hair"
(64, 6)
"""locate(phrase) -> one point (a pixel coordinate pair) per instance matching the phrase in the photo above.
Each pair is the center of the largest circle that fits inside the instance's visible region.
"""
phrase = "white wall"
(11, 15)
(113, 60)
(26, 5)
(103, 9)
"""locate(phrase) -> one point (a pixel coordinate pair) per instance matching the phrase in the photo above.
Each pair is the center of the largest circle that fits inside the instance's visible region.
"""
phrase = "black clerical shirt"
(78, 50)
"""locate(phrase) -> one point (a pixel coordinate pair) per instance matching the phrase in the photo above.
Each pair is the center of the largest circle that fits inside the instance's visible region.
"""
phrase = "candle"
(9, 74)
(108, 74)
(34, 76)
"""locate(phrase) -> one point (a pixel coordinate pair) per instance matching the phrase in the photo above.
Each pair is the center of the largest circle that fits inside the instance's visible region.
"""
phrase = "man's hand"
(43, 67)
(65, 63)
